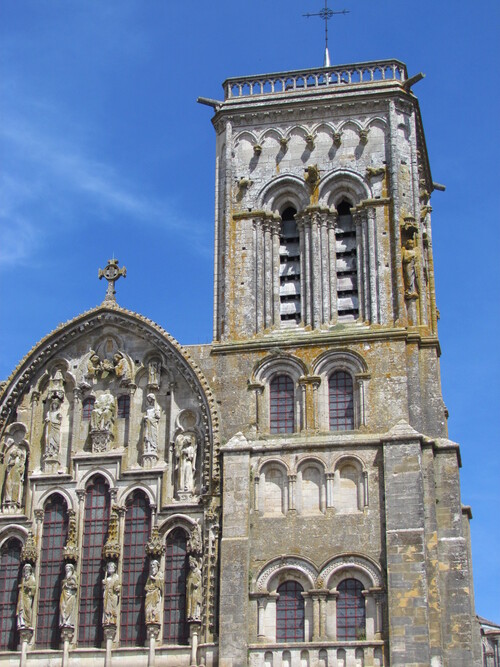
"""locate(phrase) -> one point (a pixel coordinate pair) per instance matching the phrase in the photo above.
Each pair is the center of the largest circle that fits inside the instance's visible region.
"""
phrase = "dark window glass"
(290, 613)
(10, 560)
(54, 534)
(88, 406)
(282, 405)
(341, 398)
(350, 610)
(123, 407)
(137, 529)
(95, 530)
(175, 630)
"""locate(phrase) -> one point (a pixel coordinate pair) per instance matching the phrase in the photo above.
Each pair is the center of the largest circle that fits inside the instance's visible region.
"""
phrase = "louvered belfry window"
(54, 535)
(137, 530)
(95, 530)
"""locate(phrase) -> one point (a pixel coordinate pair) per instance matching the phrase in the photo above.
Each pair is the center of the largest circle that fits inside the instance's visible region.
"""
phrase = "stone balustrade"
(307, 79)
(324, 654)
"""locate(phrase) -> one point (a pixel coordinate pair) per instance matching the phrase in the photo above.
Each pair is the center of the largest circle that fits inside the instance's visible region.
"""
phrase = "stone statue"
(193, 590)
(195, 545)
(94, 367)
(410, 269)
(185, 455)
(14, 477)
(111, 594)
(27, 588)
(151, 420)
(119, 365)
(53, 420)
(102, 417)
(67, 602)
(154, 372)
(154, 593)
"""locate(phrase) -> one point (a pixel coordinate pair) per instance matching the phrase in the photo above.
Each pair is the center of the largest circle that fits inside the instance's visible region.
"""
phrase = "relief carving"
(102, 420)
(67, 602)
(27, 589)
(185, 464)
(194, 590)
(13, 488)
(154, 593)
(52, 434)
(111, 594)
(150, 421)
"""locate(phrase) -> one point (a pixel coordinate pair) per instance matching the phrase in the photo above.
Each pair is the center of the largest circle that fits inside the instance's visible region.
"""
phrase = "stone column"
(234, 553)
(109, 637)
(359, 219)
(194, 635)
(316, 616)
(153, 631)
(268, 274)
(331, 618)
(255, 419)
(373, 265)
(329, 489)
(25, 637)
(303, 227)
(292, 479)
(67, 635)
(405, 547)
(275, 240)
(332, 263)
(256, 491)
(259, 273)
(261, 608)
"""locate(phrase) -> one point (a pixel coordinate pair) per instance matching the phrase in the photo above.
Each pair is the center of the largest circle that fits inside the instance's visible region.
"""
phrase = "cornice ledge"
(367, 203)
(266, 215)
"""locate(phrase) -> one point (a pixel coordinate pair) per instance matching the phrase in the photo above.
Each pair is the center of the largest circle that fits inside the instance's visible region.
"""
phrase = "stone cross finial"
(111, 273)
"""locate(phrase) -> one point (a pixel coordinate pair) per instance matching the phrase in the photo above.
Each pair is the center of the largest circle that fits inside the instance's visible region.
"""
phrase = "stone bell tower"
(322, 214)
(325, 306)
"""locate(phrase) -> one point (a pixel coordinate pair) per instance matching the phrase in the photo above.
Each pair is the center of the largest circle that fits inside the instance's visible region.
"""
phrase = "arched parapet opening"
(350, 566)
(280, 569)
(97, 471)
(67, 496)
(283, 192)
(14, 531)
(124, 494)
(183, 521)
(343, 185)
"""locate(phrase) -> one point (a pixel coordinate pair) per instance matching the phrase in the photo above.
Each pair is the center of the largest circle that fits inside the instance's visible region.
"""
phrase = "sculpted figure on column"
(151, 420)
(194, 590)
(111, 594)
(67, 601)
(27, 588)
(52, 440)
(410, 269)
(102, 417)
(185, 454)
(154, 592)
(14, 476)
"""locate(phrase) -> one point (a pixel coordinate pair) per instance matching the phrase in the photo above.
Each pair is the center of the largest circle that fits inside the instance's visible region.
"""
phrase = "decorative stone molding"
(282, 564)
(343, 562)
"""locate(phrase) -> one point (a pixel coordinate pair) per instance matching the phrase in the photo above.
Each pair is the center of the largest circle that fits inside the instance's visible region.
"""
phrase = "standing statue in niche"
(67, 601)
(185, 458)
(151, 420)
(27, 588)
(409, 255)
(102, 417)
(194, 590)
(14, 477)
(111, 594)
(154, 373)
(154, 593)
(52, 439)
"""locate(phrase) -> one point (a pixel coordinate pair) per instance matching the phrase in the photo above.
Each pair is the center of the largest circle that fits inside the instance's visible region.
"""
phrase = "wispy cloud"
(50, 176)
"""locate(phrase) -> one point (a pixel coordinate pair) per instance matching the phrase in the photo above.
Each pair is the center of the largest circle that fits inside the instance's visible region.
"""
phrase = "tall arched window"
(54, 535)
(290, 306)
(350, 610)
(282, 409)
(10, 561)
(290, 613)
(123, 404)
(95, 530)
(341, 401)
(137, 530)
(175, 629)
(346, 264)
(87, 407)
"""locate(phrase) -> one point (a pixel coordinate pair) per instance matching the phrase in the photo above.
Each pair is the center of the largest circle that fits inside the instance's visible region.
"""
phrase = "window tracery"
(10, 563)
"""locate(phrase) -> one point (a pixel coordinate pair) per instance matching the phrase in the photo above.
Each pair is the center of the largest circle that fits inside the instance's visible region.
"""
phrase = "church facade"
(287, 495)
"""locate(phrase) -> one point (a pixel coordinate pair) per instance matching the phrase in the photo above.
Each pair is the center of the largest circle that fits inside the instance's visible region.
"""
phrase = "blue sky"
(104, 151)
